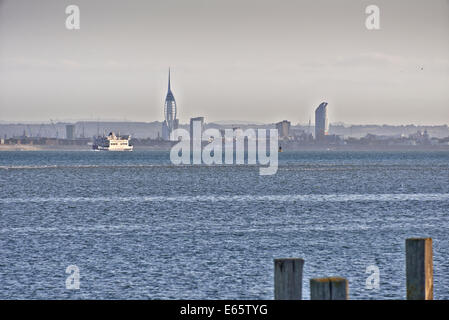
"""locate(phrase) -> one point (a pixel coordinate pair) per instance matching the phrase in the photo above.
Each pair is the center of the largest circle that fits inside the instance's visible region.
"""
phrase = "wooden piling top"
(329, 279)
(288, 259)
(329, 288)
(419, 268)
(288, 278)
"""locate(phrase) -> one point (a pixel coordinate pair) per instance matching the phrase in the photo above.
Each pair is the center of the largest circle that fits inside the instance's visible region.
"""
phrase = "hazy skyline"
(261, 61)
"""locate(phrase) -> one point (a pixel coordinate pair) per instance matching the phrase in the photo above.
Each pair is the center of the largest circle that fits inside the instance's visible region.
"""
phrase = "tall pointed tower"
(170, 109)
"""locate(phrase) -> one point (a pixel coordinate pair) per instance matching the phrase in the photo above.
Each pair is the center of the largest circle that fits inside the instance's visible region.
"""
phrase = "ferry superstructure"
(112, 142)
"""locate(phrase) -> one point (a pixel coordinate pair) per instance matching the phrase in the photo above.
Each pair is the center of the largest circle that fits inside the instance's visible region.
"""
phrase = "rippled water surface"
(138, 227)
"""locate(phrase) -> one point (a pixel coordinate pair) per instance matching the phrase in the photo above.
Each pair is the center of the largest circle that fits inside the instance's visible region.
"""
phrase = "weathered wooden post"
(288, 279)
(419, 268)
(332, 288)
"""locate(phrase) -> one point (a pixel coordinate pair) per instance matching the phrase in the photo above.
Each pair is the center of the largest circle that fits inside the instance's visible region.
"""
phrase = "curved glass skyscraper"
(321, 122)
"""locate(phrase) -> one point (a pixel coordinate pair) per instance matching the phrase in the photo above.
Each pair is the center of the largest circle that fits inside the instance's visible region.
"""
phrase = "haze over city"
(256, 61)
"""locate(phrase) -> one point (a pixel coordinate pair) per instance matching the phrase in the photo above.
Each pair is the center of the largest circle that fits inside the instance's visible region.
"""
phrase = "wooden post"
(288, 279)
(333, 288)
(419, 269)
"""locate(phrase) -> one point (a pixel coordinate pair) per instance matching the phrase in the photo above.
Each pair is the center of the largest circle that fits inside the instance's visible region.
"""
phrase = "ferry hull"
(99, 148)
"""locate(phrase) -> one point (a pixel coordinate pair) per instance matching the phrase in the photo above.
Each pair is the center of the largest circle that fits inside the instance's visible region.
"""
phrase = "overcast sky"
(260, 60)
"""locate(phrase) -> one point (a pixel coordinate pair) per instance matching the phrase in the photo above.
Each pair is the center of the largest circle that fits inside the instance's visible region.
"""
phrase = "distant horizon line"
(219, 122)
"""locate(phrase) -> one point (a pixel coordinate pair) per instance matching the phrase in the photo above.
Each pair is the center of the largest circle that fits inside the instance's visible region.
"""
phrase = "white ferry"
(112, 143)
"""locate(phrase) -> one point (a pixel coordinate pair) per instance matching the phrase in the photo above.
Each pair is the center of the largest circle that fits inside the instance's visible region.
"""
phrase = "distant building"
(70, 131)
(321, 122)
(283, 128)
(165, 131)
(197, 119)
(170, 123)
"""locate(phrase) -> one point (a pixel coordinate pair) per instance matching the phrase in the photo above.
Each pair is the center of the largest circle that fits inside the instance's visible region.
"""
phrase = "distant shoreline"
(24, 147)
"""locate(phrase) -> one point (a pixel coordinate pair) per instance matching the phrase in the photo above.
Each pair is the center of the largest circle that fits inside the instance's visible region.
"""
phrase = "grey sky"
(231, 59)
